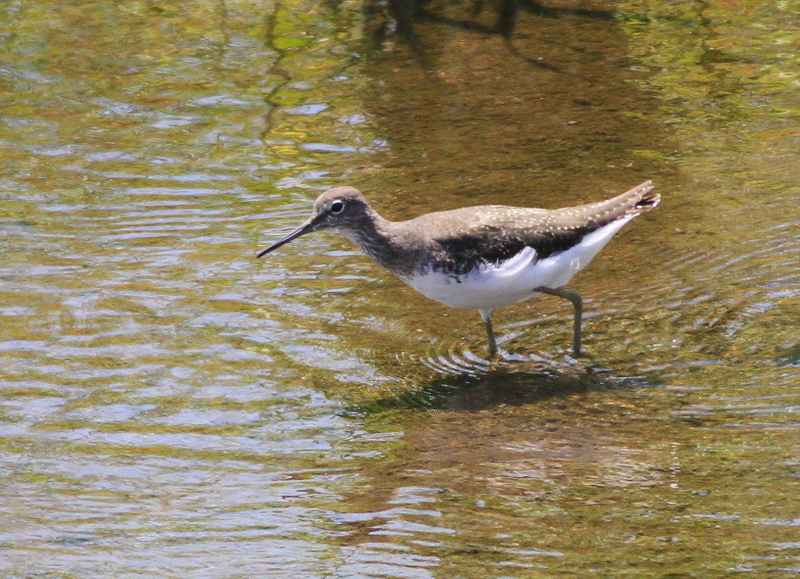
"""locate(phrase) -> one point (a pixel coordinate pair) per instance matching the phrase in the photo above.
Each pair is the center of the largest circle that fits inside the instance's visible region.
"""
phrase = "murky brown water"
(172, 406)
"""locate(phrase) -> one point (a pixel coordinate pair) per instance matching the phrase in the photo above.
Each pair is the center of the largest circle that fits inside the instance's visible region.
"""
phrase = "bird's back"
(460, 239)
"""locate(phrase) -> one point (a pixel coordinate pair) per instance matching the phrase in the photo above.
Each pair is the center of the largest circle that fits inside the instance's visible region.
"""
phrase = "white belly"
(515, 279)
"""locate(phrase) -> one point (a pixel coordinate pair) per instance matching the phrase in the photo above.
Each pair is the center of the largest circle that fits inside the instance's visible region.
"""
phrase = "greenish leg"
(576, 300)
(487, 322)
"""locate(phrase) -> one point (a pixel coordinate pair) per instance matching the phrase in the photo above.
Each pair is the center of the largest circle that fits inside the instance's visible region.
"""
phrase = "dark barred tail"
(647, 198)
(587, 218)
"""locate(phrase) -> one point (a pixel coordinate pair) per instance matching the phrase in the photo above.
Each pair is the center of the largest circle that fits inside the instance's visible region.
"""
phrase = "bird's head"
(341, 208)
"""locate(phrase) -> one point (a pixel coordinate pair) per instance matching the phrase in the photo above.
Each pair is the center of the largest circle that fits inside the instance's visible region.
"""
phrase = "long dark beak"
(306, 227)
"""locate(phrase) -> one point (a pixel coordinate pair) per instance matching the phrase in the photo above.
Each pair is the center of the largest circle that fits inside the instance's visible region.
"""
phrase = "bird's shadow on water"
(503, 384)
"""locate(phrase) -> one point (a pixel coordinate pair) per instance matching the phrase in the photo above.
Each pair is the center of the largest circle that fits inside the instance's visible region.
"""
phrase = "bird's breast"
(485, 286)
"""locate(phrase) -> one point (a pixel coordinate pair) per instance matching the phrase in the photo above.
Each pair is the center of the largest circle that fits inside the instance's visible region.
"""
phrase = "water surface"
(171, 405)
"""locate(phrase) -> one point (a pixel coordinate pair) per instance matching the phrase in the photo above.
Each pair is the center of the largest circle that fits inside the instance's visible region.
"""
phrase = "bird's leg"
(487, 322)
(576, 300)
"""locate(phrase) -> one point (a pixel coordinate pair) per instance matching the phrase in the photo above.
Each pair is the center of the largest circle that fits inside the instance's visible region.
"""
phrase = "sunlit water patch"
(170, 405)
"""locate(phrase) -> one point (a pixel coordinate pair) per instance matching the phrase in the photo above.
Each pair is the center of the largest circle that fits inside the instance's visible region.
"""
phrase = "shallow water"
(171, 405)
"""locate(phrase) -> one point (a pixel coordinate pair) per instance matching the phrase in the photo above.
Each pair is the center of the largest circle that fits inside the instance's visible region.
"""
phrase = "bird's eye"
(337, 206)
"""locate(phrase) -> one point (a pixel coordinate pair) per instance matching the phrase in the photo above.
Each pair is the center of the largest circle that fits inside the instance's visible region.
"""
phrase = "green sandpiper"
(483, 257)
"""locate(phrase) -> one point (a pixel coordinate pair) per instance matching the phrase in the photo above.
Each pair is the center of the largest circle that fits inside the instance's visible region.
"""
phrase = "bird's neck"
(383, 241)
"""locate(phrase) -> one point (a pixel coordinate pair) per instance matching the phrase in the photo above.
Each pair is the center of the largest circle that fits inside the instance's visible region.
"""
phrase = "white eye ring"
(337, 206)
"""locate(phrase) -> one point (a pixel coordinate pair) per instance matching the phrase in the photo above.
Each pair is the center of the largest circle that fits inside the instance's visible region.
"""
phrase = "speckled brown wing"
(497, 233)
